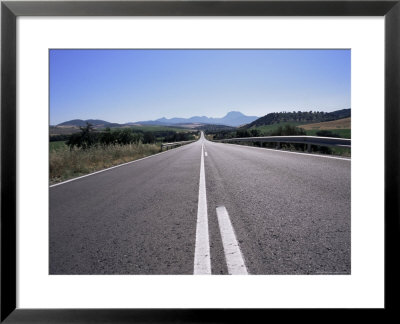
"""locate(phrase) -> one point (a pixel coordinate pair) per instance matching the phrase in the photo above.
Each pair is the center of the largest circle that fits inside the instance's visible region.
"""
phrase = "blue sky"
(135, 85)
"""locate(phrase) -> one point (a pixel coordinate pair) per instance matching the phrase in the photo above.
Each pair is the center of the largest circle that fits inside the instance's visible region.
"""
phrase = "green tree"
(84, 139)
(148, 137)
(255, 132)
(243, 133)
(106, 137)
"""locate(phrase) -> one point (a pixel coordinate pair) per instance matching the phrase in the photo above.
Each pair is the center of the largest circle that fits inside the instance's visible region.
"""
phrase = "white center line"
(202, 262)
(233, 255)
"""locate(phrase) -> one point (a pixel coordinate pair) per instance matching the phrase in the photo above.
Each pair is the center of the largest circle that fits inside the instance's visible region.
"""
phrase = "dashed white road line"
(202, 260)
(233, 255)
(205, 153)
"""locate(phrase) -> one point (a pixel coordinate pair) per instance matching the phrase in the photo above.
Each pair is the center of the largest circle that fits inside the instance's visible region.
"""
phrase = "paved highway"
(205, 208)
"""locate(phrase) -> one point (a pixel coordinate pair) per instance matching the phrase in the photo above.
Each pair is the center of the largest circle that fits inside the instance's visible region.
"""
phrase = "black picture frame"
(10, 10)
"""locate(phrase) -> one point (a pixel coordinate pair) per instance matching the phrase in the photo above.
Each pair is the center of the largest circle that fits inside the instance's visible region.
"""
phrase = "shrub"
(326, 133)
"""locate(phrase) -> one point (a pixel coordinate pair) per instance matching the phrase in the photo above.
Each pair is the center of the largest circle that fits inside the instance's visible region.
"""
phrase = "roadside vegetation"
(341, 133)
(285, 129)
(89, 151)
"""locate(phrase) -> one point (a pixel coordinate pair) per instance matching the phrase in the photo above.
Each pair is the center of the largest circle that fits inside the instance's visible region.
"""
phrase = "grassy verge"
(344, 133)
(57, 145)
(266, 130)
(66, 164)
(334, 151)
(341, 151)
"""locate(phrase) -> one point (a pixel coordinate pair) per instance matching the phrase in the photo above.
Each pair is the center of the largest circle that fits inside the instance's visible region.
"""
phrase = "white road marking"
(202, 261)
(233, 255)
(116, 166)
(279, 151)
(205, 153)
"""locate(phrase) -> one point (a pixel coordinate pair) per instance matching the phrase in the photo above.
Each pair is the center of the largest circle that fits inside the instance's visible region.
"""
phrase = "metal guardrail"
(309, 140)
(170, 145)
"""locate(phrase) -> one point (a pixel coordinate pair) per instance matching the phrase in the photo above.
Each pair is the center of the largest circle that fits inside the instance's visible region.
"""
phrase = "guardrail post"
(309, 148)
(278, 146)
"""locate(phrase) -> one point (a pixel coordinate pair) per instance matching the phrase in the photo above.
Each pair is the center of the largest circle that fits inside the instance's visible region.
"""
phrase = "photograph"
(199, 161)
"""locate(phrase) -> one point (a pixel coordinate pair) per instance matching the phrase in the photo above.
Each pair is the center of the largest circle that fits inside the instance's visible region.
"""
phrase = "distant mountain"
(97, 123)
(147, 122)
(300, 116)
(233, 118)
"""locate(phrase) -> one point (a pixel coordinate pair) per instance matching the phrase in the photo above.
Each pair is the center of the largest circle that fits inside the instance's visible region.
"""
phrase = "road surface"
(205, 208)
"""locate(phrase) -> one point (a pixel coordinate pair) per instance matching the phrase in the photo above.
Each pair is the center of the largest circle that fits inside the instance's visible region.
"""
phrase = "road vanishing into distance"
(205, 208)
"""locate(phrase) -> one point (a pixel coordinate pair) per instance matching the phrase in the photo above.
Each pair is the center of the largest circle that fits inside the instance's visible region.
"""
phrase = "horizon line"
(132, 122)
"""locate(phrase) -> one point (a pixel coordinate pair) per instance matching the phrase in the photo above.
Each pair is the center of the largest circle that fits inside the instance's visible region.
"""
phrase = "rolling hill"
(97, 123)
(299, 117)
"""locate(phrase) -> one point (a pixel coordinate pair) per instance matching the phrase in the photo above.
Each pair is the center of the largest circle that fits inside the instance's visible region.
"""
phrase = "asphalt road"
(256, 211)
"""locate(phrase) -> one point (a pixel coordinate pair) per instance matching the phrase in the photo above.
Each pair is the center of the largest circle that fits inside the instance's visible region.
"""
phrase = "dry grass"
(344, 123)
(66, 164)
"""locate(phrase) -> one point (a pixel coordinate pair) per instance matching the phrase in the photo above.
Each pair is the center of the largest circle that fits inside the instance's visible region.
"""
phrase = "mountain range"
(232, 118)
